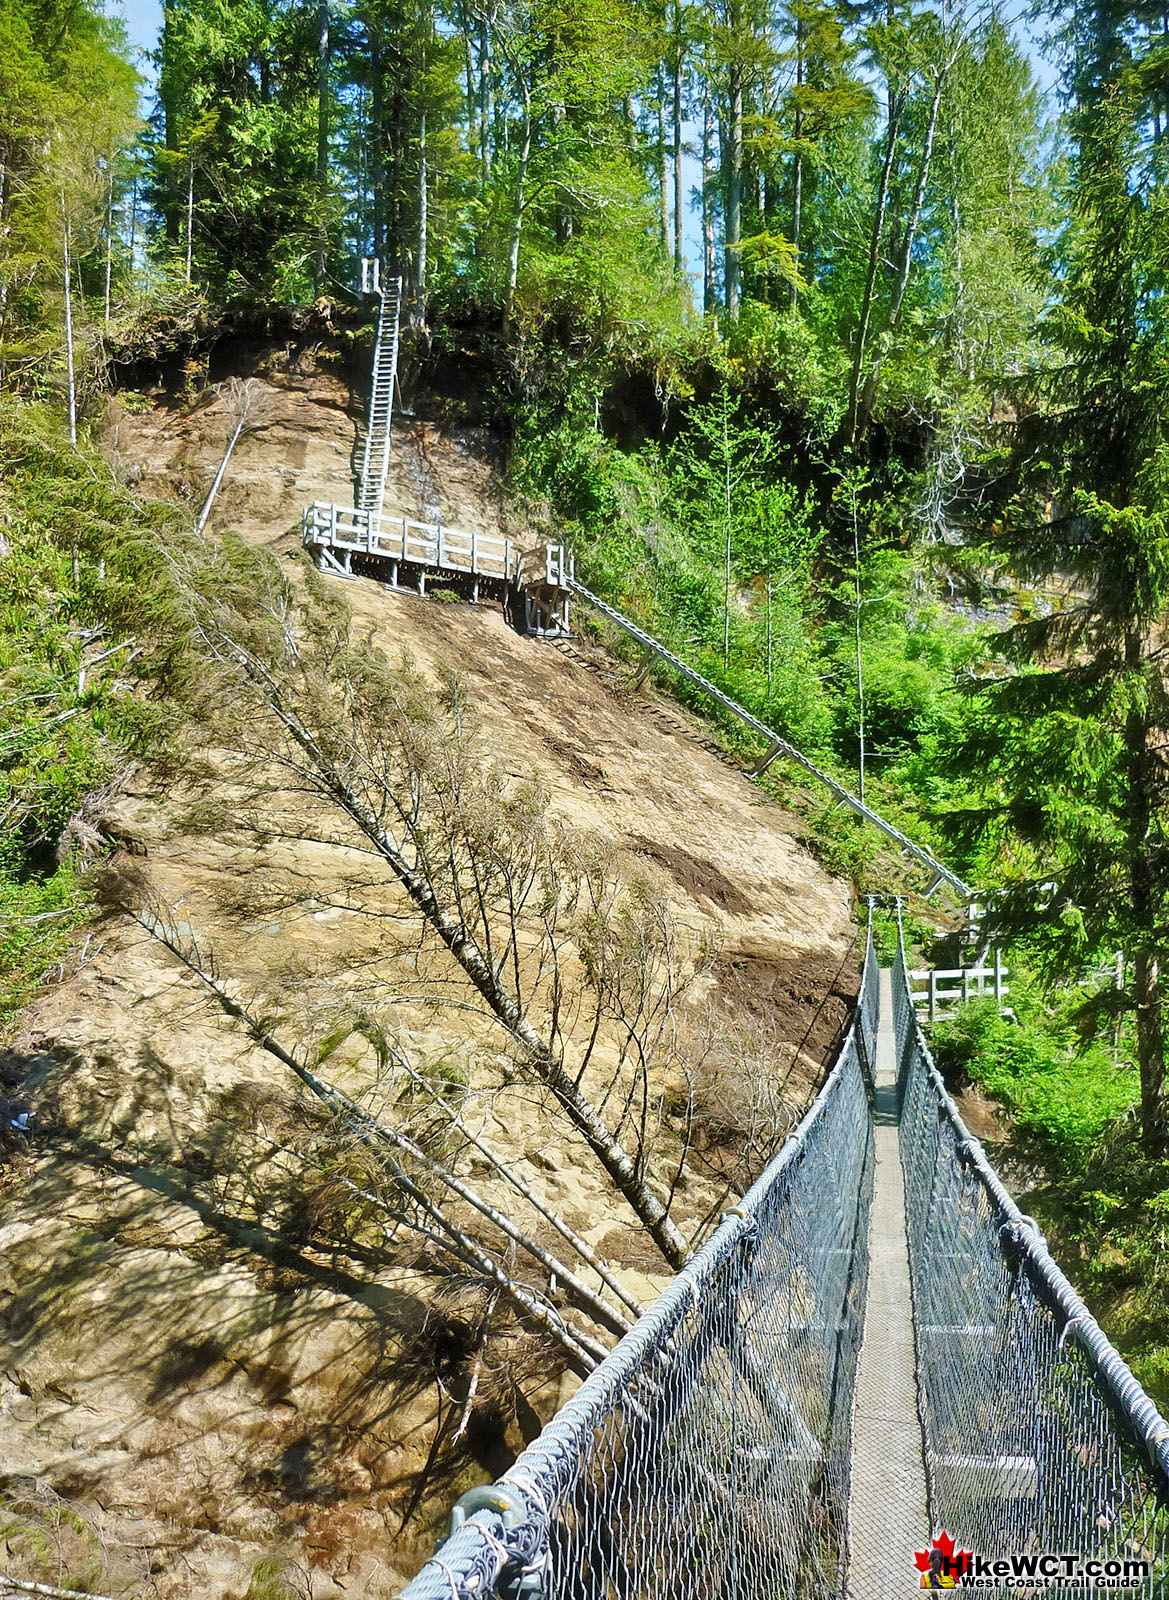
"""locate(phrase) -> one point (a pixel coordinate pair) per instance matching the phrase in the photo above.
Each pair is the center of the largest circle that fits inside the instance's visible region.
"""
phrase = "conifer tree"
(1071, 745)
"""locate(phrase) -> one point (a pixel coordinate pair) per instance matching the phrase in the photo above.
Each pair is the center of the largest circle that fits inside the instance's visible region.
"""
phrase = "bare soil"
(210, 1390)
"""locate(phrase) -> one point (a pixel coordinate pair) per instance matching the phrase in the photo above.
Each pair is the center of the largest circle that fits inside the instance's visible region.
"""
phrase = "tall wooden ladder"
(376, 460)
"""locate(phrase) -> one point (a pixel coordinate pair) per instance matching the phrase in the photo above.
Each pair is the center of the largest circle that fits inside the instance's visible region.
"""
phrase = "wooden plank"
(947, 996)
(953, 972)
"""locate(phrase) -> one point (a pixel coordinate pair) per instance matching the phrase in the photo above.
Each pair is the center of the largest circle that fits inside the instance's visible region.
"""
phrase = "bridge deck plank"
(887, 1515)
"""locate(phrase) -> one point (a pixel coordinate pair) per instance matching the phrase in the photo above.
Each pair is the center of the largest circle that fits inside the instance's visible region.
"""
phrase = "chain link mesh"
(1037, 1436)
(708, 1456)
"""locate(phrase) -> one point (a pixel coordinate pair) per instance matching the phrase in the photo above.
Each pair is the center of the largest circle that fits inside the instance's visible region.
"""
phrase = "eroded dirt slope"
(209, 1390)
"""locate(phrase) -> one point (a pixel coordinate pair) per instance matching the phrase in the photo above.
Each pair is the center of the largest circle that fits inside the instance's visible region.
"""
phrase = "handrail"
(779, 745)
(507, 1524)
(1149, 1429)
(376, 454)
(399, 538)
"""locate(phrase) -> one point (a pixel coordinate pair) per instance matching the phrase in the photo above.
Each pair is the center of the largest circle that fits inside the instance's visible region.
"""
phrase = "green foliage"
(704, 544)
(37, 919)
(270, 1581)
(87, 611)
(70, 121)
(1063, 746)
(237, 162)
(1052, 1086)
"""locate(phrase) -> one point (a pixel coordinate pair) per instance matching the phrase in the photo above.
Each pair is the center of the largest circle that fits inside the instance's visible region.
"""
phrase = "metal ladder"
(376, 460)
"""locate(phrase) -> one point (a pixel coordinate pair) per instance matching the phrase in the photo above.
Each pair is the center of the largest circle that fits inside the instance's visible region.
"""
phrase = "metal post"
(998, 977)
(933, 977)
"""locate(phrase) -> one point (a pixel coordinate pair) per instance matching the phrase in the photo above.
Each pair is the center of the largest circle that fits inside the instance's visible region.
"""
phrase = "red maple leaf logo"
(954, 1562)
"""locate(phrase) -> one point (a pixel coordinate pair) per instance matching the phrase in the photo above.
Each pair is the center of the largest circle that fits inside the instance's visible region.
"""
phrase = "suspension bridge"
(875, 1346)
(873, 1377)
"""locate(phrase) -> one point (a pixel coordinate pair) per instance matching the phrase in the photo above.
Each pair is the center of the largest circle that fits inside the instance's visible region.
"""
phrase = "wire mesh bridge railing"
(1037, 1436)
(709, 1456)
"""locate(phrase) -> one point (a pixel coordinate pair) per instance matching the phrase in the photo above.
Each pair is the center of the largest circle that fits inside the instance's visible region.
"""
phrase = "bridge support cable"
(778, 746)
(1037, 1435)
(888, 1516)
(375, 462)
(709, 1453)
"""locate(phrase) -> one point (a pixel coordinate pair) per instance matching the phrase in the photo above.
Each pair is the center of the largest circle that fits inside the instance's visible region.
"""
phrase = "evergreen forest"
(831, 335)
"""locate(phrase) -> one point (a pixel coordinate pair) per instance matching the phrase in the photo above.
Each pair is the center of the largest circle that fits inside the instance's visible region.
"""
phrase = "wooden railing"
(929, 988)
(400, 539)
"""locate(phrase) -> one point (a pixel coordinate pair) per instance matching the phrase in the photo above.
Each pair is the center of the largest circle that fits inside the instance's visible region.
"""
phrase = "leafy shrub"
(1065, 1093)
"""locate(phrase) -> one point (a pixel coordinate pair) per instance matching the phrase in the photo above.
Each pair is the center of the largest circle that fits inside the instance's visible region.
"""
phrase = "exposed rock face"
(307, 448)
(191, 1370)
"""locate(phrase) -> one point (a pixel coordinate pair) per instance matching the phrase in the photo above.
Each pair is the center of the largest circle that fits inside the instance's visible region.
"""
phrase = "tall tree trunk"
(663, 173)
(70, 370)
(708, 258)
(962, 360)
(486, 96)
(733, 235)
(563, 208)
(423, 224)
(896, 106)
(517, 214)
(727, 532)
(377, 65)
(798, 157)
(470, 94)
(905, 254)
(860, 669)
(322, 253)
(1147, 997)
(170, 113)
(679, 207)
(190, 212)
(109, 250)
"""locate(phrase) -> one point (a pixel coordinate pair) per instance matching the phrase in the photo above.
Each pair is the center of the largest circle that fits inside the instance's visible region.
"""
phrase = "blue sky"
(143, 20)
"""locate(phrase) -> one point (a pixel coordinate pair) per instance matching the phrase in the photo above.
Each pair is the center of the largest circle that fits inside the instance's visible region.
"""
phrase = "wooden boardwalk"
(888, 1517)
(400, 552)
